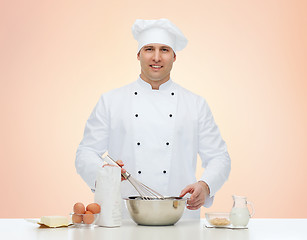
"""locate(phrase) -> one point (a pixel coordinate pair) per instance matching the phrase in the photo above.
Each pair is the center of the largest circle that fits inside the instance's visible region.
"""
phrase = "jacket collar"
(164, 86)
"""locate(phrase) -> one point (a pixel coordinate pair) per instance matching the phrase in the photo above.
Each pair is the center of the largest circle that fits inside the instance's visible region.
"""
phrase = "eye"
(148, 49)
(165, 49)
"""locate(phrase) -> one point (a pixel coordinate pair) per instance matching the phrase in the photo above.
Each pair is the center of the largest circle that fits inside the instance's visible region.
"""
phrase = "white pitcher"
(240, 215)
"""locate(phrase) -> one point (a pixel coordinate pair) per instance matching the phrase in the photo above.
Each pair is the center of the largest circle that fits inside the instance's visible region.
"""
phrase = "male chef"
(156, 127)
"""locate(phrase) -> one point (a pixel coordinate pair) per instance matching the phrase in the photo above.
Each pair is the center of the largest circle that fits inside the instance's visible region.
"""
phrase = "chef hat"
(160, 31)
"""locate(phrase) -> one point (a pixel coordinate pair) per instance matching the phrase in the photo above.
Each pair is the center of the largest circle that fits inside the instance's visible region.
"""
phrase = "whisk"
(146, 192)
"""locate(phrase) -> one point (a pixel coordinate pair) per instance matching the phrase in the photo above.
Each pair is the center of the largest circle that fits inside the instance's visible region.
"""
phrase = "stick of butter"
(54, 221)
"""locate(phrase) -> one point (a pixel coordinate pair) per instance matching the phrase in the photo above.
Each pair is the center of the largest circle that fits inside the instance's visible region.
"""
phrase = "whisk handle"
(126, 175)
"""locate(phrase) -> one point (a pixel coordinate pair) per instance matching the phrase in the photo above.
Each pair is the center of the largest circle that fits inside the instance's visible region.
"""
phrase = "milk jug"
(240, 215)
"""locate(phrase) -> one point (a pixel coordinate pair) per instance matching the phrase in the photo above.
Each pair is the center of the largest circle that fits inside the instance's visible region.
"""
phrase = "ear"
(138, 55)
(175, 57)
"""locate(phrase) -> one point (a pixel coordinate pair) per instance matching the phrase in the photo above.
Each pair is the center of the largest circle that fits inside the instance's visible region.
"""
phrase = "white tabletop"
(185, 229)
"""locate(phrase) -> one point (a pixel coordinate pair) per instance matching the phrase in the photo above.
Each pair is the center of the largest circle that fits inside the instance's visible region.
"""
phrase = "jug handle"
(252, 206)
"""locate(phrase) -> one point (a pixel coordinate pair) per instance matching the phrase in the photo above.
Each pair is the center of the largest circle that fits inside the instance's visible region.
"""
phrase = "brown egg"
(79, 208)
(88, 217)
(93, 207)
(76, 218)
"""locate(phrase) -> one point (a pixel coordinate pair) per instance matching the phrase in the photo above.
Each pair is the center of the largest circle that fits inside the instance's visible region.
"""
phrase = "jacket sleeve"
(212, 150)
(94, 144)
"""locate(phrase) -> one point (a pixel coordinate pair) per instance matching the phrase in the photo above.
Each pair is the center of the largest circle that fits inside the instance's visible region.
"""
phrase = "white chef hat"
(161, 31)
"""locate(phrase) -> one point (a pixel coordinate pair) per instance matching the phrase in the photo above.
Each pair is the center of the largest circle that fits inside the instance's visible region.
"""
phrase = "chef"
(156, 127)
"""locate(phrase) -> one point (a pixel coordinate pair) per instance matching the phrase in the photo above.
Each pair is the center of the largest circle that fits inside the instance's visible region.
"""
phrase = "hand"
(121, 164)
(199, 191)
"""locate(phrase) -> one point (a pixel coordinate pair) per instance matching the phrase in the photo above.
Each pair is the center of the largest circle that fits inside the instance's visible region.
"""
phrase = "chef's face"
(156, 62)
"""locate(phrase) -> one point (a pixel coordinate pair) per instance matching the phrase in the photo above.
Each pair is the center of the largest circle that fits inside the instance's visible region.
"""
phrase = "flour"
(107, 195)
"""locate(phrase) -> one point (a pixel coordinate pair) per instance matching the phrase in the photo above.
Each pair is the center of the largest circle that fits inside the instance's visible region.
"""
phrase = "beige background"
(247, 58)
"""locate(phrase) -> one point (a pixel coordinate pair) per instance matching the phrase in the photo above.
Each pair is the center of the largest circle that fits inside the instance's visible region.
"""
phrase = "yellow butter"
(54, 221)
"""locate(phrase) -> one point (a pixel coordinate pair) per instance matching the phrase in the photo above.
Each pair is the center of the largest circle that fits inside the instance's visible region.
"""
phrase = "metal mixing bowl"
(156, 212)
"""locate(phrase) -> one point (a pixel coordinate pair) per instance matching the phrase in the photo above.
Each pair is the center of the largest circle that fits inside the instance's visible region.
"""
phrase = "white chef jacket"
(157, 134)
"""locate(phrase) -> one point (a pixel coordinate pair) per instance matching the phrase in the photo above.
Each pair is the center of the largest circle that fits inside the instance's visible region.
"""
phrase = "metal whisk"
(146, 192)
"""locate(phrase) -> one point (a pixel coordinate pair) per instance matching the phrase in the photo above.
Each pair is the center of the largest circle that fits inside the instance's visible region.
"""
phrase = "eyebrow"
(151, 46)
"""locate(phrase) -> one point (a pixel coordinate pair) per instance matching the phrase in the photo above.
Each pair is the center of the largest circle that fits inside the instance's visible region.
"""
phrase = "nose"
(157, 56)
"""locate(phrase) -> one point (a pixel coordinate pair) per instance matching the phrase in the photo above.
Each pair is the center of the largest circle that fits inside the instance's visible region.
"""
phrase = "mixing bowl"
(156, 212)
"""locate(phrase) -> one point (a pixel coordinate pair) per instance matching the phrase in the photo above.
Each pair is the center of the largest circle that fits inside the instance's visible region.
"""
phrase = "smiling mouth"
(155, 66)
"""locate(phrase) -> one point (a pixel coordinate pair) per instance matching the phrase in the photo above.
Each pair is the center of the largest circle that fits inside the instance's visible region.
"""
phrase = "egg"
(88, 217)
(79, 208)
(93, 207)
(76, 218)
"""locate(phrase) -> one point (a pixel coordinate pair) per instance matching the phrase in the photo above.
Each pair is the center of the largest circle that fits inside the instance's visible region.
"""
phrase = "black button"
(135, 93)
(171, 115)
(139, 172)
(167, 143)
(173, 93)
(164, 171)
(136, 115)
(138, 144)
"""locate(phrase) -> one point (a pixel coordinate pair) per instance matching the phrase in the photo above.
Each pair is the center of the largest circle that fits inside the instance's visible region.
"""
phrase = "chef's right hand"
(121, 164)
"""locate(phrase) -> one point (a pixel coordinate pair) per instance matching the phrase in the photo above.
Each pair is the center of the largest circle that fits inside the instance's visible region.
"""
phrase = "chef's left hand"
(199, 191)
